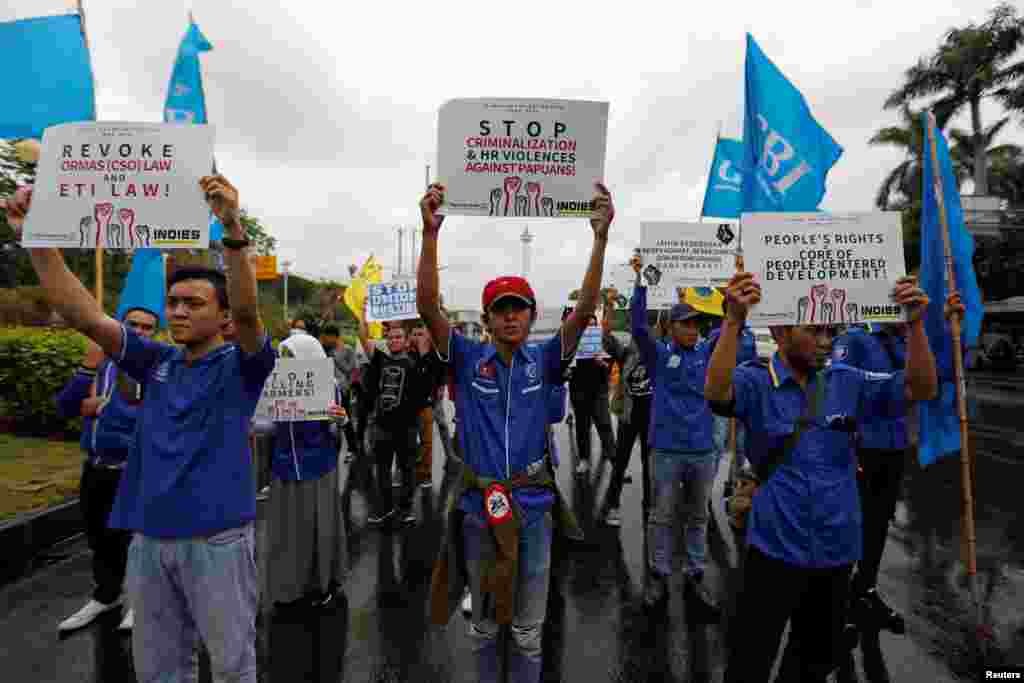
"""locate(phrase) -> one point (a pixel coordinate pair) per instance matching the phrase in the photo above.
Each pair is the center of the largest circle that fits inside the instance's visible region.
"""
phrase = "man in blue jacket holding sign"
(500, 532)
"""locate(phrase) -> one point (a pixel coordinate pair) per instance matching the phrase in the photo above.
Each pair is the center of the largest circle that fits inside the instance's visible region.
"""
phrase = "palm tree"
(969, 65)
(964, 151)
(902, 185)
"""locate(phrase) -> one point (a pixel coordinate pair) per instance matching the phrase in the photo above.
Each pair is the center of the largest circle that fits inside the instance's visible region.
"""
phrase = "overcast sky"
(326, 112)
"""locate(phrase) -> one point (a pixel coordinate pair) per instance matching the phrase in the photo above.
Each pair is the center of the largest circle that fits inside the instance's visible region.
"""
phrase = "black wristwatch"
(235, 244)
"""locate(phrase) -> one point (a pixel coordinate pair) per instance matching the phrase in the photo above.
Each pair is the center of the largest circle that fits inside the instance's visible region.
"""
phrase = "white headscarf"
(304, 346)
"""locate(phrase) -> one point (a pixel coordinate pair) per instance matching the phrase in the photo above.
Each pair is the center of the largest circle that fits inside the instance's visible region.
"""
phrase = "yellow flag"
(705, 300)
(355, 296)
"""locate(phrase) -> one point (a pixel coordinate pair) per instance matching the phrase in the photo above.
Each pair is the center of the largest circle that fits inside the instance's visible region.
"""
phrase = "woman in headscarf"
(307, 558)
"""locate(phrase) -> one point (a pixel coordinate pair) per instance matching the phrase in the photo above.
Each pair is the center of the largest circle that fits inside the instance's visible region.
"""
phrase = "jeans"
(721, 439)
(637, 426)
(774, 592)
(696, 471)
(524, 664)
(109, 546)
(190, 589)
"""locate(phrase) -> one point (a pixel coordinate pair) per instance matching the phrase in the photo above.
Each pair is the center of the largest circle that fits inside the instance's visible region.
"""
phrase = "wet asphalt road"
(596, 628)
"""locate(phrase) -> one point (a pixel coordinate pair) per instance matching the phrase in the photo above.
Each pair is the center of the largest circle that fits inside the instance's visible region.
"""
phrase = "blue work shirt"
(680, 416)
(190, 472)
(108, 438)
(747, 348)
(503, 413)
(808, 512)
(875, 351)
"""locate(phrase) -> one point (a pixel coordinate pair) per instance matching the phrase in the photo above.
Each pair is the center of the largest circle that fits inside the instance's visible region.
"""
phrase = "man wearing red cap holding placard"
(499, 534)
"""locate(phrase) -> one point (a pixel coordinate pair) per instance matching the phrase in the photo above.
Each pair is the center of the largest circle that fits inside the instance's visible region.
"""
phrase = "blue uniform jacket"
(680, 417)
(808, 513)
(109, 438)
(876, 351)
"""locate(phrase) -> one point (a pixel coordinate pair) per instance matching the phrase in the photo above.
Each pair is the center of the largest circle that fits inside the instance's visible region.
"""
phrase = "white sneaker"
(86, 615)
(467, 605)
(612, 517)
(128, 623)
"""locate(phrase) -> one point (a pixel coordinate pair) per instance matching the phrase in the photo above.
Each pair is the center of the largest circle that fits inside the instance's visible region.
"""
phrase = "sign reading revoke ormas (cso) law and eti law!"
(521, 157)
(121, 186)
(823, 269)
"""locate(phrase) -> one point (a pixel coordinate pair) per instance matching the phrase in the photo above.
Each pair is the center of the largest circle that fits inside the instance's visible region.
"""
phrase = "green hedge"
(35, 363)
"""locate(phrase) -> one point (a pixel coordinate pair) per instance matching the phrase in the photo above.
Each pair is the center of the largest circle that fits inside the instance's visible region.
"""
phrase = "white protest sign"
(521, 157)
(298, 389)
(121, 186)
(391, 301)
(681, 255)
(821, 269)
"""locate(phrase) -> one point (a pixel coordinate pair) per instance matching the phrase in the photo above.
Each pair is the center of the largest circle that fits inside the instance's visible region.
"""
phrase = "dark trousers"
(879, 483)
(391, 445)
(773, 593)
(591, 409)
(362, 416)
(355, 444)
(637, 426)
(109, 546)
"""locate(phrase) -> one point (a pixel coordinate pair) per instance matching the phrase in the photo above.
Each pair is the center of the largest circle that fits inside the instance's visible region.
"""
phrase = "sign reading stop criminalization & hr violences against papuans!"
(298, 389)
(505, 157)
(824, 269)
(121, 186)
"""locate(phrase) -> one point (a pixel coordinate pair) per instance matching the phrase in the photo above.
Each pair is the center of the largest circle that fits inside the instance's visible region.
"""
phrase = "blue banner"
(146, 285)
(185, 100)
(787, 154)
(724, 196)
(47, 76)
(939, 419)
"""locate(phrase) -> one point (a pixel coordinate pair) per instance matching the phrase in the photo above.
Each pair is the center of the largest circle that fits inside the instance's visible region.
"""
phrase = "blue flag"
(47, 76)
(723, 198)
(939, 419)
(146, 285)
(185, 100)
(787, 155)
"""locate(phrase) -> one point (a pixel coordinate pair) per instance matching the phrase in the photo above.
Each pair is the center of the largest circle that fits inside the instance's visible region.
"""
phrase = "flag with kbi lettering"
(787, 154)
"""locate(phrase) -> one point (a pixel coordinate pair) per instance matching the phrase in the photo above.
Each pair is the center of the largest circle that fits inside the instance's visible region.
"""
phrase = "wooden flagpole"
(967, 493)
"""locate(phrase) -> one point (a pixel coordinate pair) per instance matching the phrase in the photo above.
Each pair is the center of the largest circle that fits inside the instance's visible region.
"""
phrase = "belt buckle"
(534, 467)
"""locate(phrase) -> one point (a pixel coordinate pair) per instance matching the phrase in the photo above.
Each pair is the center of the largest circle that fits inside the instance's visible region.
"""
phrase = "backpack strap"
(779, 457)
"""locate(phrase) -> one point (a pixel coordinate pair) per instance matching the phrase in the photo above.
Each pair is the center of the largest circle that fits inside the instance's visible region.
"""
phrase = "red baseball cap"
(508, 286)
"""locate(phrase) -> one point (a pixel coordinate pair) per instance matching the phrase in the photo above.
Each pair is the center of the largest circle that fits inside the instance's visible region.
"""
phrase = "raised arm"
(364, 334)
(638, 322)
(223, 199)
(575, 324)
(741, 294)
(922, 383)
(62, 289)
(427, 281)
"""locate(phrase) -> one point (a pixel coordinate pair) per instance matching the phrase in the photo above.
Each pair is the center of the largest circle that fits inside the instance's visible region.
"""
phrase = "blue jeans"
(184, 590)
(696, 471)
(531, 602)
(721, 438)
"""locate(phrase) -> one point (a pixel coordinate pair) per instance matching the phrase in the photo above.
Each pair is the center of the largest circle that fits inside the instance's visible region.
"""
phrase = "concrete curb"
(25, 538)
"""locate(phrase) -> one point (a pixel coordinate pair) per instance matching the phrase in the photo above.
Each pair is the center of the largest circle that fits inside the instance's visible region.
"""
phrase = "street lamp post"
(285, 266)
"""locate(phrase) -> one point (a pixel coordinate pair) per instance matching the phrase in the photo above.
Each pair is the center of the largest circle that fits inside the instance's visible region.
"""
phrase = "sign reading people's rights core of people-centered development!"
(121, 186)
(521, 157)
(822, 269)
(391, 301)
(298, 389)
(680, 255)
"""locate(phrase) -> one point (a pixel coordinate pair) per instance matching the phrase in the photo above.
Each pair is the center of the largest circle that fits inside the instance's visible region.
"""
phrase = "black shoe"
(873, 613)
(697, 595)
(655, 590)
